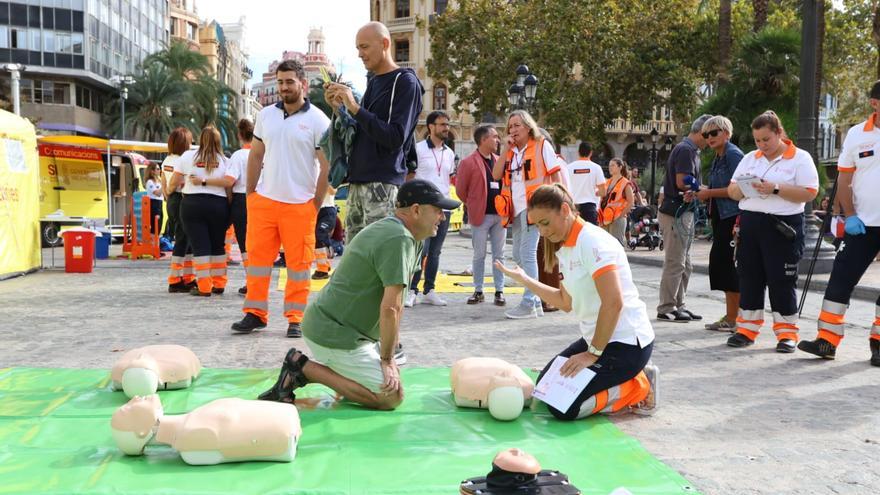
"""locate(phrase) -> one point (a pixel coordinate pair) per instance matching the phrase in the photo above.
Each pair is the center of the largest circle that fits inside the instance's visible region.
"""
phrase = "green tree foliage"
(174, 88)
(850, 58)
(595, 60)
(764, 76)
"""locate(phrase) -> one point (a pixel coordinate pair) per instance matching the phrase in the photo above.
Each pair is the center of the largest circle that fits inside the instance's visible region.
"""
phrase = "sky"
(274, 26)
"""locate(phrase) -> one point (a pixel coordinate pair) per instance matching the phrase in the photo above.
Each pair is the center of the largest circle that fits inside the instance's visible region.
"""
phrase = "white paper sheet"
(747, 185)
(561, 392)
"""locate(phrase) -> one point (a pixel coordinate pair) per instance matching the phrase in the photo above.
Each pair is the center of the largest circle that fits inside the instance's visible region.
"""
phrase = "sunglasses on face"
(712, 133)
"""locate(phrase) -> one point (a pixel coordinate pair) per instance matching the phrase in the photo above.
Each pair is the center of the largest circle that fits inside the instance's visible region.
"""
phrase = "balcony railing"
(401, 24)
(406, 65)
(624, 126)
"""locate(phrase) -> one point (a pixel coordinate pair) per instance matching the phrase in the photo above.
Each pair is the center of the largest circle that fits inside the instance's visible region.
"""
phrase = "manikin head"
(141, 377)
(133, 423)
(517, 461)
(506, 399)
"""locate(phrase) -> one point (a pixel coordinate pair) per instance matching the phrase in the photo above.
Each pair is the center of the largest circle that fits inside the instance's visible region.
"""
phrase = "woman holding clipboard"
(771, 184)
(597, 285)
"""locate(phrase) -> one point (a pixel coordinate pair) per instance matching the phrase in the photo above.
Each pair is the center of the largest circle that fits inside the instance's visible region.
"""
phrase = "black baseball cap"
(422, 192)
(875, 91)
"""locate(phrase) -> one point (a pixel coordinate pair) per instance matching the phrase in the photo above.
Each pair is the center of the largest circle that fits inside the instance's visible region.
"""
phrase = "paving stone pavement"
(732, 421)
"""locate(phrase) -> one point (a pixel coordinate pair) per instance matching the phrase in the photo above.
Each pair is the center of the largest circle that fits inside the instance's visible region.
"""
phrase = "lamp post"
(521, 94)
(640, 144)
(15, 71)
(123, 82)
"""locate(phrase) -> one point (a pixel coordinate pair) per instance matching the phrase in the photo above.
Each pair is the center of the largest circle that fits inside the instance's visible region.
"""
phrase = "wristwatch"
(594, 351)
(204, 182)
(775, 188)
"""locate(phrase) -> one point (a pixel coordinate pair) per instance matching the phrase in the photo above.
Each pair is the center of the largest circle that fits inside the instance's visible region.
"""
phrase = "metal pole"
(16, 96)
(807, 95)
(123, 95)
(653, 171)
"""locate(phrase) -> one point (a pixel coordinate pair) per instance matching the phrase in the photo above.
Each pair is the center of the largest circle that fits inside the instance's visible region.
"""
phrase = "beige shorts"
(361, 364)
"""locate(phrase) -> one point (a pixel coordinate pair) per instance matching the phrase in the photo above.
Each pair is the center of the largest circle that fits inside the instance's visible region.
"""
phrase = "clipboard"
(747, 185)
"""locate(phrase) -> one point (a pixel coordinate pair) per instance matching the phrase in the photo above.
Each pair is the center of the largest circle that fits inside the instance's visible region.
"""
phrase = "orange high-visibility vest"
(534, 175)
(615, 206)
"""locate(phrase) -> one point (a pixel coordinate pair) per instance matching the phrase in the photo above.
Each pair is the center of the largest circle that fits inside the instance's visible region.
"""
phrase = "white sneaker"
(648, 406)
(411, 299)
(433, 299)
(521, 312)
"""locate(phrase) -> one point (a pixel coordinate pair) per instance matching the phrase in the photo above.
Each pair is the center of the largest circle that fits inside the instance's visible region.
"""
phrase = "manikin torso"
(145, 370)
(490, 383)
(225, 430)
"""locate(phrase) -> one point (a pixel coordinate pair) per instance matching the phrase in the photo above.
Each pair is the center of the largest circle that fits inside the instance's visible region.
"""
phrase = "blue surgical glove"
(854, 225)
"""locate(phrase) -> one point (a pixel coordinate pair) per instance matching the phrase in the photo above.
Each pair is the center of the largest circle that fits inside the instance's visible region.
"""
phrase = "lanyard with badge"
(490, 164)
(439, 161)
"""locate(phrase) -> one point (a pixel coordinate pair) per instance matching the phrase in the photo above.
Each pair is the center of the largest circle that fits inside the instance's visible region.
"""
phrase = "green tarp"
(55, 438)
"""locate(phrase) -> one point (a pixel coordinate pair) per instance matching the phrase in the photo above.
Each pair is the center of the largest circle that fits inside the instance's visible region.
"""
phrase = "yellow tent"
(19, 197)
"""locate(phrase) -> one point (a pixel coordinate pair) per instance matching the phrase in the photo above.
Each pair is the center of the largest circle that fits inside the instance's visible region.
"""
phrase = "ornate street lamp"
(654, 137)
(521, 94)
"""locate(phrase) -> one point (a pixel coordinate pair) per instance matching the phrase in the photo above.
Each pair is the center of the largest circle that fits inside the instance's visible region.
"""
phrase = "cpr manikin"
(145, 370)
(490, 383)
(515, 471)
(225, 430)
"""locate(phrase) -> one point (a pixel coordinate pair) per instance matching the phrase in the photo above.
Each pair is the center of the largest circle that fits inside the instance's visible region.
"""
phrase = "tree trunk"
(875, 32)
(820, 55)
(760, 10)
(724, 41)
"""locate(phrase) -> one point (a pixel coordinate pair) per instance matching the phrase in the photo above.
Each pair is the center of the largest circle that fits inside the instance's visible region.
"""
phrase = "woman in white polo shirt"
(597, 285)
(205, 210)
(780, 178)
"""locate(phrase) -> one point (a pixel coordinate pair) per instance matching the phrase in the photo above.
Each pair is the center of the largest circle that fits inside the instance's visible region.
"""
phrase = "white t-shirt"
(861, 155)
(187, 166)
(589, 252)
(517, 184)
(290, 165)
(238, 169)
(435, 165)
(584, 177)
(794, 167)
(168, 167)
(154, 188)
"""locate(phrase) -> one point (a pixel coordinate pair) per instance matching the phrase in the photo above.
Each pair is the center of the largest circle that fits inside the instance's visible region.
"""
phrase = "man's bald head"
(374, 48)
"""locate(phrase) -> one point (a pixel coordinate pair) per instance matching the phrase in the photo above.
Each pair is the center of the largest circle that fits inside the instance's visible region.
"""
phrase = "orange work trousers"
(272, 224)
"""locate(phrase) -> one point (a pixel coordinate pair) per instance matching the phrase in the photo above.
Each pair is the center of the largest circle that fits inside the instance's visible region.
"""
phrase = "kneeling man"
(352, 327)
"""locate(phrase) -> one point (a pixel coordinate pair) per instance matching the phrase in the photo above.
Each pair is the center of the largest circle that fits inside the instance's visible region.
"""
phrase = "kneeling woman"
(205, 210)
(597, 284)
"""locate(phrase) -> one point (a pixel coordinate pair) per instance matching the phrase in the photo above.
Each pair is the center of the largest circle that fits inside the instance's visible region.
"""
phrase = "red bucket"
(79, 250)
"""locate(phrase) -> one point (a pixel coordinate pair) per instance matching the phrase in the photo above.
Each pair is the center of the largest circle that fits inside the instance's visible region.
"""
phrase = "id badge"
(494, 185)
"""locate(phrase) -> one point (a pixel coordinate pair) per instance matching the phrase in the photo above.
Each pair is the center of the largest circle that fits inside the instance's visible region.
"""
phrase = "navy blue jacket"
(378, 153)
(720, 174)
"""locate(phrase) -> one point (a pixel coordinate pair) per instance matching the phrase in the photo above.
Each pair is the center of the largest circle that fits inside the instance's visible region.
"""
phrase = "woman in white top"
(617, 337)
(181, 279)
(238, 203)
(205, 210)
(153, 182)
(777, 178)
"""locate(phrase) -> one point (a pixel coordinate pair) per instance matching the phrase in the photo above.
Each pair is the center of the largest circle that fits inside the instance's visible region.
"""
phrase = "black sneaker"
(499, 299)
(875, 352)
(786, 346)
(319, 275)
(191, 284)
(399, 356)
(674, 316)
(294, 331)
(243, 290)
(818, 347)
(693, 315)
(218, 290)
(248, 324)
(196, 292)
(476, 298)
(179, 287)
(739, 340)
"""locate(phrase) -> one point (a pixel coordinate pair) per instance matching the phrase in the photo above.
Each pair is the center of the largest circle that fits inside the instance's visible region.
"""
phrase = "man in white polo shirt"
(587, 183)
(286, 184)
(858, 180)
(436, 165)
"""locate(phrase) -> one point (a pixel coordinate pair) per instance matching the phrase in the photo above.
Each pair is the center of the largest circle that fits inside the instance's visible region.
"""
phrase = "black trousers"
(204, 218)
(851, 262)
(722, 267)
(766, 259)
(238, 219)
(324, 226)
(618, 363)
(155, 211)
(172, 207)
(589, 212)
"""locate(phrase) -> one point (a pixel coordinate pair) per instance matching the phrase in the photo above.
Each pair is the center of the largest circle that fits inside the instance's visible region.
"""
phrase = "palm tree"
(180, 60)
(213, 103)
(760, 8)
(724, 40)
(875, 33)
(150, 108)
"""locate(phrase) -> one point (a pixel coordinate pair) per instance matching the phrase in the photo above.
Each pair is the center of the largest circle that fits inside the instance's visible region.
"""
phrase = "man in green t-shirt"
(352, 327)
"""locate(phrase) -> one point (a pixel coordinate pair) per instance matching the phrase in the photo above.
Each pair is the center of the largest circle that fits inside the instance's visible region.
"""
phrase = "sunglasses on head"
(712, 133)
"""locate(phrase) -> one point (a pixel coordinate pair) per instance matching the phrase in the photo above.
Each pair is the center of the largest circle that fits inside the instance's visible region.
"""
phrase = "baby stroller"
(645, 230)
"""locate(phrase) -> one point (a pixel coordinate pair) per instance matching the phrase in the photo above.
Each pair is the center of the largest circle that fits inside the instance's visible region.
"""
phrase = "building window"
(4, 37)
(440, 6)
(440, 97)
(401, 8)
(401, 51)
(18, 38)
(378, 11)
(26, 90)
